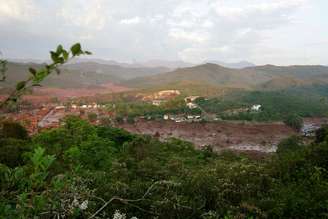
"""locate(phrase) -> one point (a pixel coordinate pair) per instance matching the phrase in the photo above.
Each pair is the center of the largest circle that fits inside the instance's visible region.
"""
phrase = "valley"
(141, 99)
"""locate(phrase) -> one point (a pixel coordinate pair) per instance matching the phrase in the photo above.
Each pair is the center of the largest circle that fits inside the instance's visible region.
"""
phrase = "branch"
(58, 57)
(128, 201)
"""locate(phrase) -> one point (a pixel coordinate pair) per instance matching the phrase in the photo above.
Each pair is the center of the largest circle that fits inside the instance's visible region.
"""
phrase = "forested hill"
(260, 77)
(86, 74)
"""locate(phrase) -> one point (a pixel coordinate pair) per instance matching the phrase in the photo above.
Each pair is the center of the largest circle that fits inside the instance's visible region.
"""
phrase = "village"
(50, 115)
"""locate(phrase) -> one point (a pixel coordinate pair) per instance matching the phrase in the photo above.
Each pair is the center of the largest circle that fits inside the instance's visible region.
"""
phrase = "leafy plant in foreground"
(58, 57)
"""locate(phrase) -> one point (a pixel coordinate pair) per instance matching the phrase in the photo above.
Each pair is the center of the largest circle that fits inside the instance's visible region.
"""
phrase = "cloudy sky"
(279, 32)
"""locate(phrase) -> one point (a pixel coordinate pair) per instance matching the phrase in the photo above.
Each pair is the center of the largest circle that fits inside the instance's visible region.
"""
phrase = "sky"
(280, 32)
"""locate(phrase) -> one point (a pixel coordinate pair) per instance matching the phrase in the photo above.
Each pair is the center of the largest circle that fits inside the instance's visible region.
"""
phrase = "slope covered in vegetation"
(84, 171)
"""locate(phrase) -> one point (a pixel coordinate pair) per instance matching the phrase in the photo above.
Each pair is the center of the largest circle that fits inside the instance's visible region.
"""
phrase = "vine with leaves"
(58, 58)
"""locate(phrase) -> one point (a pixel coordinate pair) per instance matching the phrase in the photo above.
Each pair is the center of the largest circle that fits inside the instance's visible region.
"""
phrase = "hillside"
(259, 77)
(211, 74)
(80, 75)
(209, 78)
(124, 73)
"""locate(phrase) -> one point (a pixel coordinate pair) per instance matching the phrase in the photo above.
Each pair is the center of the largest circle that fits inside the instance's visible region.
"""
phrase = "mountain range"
(90, 74)
(258, 77)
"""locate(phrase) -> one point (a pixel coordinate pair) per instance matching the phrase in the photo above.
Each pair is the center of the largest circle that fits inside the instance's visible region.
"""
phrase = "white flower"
(84, 205)
(75, 202)
(118, 215)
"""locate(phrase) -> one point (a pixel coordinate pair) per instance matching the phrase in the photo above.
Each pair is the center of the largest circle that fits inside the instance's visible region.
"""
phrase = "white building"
(190, 99)
(157, 102)
(256, 107)
(191, 105)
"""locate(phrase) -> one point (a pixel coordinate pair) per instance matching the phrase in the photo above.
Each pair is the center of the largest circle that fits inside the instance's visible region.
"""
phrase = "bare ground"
(262, 137)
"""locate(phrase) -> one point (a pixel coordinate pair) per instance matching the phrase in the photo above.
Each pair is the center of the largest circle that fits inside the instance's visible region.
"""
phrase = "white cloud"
(170, 29)
(84, 14)
(20, 10)
(192, 36)
(134, 20)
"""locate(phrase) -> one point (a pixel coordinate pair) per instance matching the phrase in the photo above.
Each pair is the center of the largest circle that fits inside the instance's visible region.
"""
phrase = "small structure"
(191, 105)
(157, 102)
(59, 107)
(166, 117)
(256, 107)
(190, 99)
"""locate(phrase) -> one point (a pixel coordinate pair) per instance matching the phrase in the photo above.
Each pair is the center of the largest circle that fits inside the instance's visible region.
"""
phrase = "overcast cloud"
(261, 31)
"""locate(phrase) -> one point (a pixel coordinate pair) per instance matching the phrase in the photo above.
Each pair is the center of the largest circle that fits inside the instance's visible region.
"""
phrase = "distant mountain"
(168, 64)
(163, 63)
(88, 74)
(208, 74)
(105, 62)
(78, 75)
(237, 65)
(156, 63)
(37, 61)
(297, 71)
(258, 77)
(124, 73)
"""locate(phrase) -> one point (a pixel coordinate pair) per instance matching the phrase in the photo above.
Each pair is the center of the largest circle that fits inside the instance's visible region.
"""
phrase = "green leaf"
(65, 55)
(54, 57)
(59, 49)
(32, 71)
(20, 85)
(76, 49)
(87, 52)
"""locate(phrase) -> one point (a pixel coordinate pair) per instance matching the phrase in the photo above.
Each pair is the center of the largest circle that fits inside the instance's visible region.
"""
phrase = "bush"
(294, 121)
(11, 151)
(321, 134)
(290, 144)
(13, 130)
(92, 117)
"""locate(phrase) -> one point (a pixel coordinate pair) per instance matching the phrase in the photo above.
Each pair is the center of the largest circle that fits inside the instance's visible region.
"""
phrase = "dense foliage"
(84, 171)
(294, 121)
(133, 109)
(276, 105)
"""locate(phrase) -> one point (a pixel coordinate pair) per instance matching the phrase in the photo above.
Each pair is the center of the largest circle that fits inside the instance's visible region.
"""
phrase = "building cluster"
(183, 118)
(190, 102)
(51, 115)
(159, 97)
(253, 109)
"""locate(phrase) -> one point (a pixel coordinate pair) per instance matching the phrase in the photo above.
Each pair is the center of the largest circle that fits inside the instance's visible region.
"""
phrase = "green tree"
(294, 121)
(11, 129)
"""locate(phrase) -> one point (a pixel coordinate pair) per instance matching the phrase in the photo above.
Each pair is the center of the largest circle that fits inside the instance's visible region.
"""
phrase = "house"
(59, 107)
(190, 99)
(191, 105)
(190, 117)
(256, 107)
(157, 102)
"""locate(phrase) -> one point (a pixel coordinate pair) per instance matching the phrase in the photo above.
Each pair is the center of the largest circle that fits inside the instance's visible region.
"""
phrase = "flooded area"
(262, 137)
